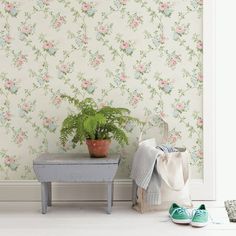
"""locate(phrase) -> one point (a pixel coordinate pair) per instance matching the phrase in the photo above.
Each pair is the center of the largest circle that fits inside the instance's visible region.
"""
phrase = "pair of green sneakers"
(180, 215)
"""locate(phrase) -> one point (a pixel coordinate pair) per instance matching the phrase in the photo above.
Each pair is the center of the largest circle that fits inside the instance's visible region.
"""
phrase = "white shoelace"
(180, 211)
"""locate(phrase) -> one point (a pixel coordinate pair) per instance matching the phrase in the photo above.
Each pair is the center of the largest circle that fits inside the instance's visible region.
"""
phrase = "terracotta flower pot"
(98, 148)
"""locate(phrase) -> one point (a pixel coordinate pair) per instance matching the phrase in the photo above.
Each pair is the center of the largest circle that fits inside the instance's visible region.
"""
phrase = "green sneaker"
(179, 215)
(200, 217)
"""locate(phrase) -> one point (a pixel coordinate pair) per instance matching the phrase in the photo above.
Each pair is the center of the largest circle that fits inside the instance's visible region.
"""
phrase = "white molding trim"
(208, 188)
(29, 191)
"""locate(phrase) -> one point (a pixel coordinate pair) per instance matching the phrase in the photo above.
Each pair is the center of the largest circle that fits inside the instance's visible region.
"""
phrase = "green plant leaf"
(94, 123)
(67, 129)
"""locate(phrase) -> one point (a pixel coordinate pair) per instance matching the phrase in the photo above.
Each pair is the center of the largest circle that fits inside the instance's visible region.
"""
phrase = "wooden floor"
(72, 219)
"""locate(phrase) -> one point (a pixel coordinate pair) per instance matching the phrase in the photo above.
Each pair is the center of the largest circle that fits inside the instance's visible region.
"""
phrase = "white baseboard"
(29, 190)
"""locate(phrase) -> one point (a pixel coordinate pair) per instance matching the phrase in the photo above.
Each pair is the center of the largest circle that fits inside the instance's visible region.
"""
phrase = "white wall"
(226, 99)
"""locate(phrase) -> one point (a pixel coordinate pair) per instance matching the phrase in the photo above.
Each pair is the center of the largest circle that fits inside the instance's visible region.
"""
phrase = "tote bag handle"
(165, 135)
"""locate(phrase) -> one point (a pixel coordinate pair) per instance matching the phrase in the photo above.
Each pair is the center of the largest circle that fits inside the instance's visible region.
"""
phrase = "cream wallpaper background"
(145, 55)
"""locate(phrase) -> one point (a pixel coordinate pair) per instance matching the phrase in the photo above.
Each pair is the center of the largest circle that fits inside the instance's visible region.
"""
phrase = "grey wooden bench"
(64, 167)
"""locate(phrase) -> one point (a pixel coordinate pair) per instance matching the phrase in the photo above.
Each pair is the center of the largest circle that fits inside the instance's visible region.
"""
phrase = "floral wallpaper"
(145, 55)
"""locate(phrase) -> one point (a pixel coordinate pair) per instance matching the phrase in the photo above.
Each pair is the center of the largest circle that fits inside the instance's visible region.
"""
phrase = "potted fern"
(97, 126)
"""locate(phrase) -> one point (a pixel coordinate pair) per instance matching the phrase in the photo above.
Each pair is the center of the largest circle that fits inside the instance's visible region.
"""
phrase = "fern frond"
(117, 134)
(74, 101)
(91, 123)
(114, 110)
(67, 129)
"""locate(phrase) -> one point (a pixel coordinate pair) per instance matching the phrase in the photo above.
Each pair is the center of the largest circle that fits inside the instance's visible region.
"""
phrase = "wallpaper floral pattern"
(145, 55)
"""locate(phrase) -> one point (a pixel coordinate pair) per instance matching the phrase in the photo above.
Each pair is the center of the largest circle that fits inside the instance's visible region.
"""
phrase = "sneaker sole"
(183, 222)
(198, 224)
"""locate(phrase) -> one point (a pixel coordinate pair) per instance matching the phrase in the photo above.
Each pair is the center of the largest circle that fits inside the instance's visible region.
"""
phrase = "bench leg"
(112, 193)
(109, 197)
(134, 193)
(49, 188)
(44, 197)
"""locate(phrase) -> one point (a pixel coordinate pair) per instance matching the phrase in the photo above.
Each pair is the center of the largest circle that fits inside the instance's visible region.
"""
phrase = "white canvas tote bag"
(174, 171)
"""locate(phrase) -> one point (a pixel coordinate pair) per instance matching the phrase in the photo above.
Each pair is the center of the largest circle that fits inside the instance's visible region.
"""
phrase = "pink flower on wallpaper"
(162, 83)
(135, 22)
(162, 39)
(9, 84)
(20, 137)
(57, 24)
(20, 60)
(88, 86)
(164, 6)
(7, 116)
(48, 45)
(123, 77)
(57, 100)
(200, 2)
(46, 78)
(8, 160)
(26, 107)
(84, 39)
(200, 154)
(200, 45)
(180, 107)
(26, 29)
(135, 98)
(85, 84)
(123, 2)
(124, 45)
(172, 62)
(180, 30)
(64, 68)
(86, 6)
(200, 77)
(102, 29)
(165, 85)
(141, 68)
(8, 39)
(174, 137)
(9, 6)
(97, 60)
(199, 122)
(49, 123)
(59, 21)
(46, 2)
